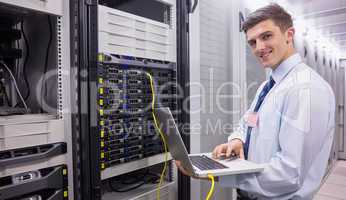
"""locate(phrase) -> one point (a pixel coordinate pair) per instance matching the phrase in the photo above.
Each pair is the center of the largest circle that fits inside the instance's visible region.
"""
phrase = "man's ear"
(290, 35)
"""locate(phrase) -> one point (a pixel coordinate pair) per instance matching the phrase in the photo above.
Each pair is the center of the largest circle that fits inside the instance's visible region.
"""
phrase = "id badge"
(252, 119)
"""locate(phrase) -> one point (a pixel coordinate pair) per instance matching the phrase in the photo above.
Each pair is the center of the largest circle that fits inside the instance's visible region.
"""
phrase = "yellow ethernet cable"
(161, 134)
(211, 191)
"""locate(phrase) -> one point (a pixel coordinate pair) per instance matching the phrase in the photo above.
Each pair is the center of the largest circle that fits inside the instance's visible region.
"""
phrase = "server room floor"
(334, 188)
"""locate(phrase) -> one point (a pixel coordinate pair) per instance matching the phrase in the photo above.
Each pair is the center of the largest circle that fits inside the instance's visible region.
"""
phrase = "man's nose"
(260, 45)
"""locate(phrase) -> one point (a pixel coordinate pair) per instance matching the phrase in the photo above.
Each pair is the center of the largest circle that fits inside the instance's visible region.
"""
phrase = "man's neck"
(288, 54)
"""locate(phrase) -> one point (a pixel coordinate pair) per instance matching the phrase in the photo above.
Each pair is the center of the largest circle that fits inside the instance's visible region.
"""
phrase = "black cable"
(153, 178)
(27, 55)
(15, 84)
(136, 179)
(124, 190)
(129, 181)
(6, 96)
(18, 47)
(44, 91)
(3, 90)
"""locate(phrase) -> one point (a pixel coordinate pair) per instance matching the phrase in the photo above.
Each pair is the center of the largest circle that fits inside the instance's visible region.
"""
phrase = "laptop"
(199, 165)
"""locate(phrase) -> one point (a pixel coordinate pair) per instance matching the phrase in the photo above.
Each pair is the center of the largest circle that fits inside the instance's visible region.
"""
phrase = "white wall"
(217, 57)
(195, 105)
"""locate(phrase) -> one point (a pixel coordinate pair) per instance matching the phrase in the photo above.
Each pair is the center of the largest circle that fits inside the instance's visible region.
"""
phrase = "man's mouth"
(265, 55)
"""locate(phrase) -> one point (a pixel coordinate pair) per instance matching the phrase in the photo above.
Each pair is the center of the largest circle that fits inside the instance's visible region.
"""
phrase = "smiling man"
(289, 126)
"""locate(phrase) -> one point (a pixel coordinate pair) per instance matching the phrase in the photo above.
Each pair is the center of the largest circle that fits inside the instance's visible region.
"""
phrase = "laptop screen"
(172, 136)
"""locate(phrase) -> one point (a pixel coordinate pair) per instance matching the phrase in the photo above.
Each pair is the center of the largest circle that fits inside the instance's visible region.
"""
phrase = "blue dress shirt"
(293, 137)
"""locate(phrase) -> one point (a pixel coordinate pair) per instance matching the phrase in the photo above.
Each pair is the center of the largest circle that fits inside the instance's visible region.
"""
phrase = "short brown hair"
(274, 12)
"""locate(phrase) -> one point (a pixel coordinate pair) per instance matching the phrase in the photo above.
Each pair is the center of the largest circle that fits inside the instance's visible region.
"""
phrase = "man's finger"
(229, 150)
(241, 154)
(218, 150)
(181, 168)
(214, 151)
(221, 150)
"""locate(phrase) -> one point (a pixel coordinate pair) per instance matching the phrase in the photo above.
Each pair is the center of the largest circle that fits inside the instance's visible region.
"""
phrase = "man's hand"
(182, 170)
(233, 147)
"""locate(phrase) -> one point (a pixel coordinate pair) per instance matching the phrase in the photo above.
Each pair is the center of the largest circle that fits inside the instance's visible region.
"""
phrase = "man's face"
(269, 44)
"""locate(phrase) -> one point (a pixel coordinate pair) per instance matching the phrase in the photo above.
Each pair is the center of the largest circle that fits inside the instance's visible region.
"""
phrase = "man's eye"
(266, 37)
(252, 44)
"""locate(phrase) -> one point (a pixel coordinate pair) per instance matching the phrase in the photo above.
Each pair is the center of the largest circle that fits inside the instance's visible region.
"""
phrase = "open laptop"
(199, 165)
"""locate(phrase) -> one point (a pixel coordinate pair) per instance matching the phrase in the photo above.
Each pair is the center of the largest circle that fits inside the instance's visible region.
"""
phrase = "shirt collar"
(285, 66)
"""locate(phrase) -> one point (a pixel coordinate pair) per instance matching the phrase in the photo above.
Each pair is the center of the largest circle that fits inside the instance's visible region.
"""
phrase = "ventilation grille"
(60, 85)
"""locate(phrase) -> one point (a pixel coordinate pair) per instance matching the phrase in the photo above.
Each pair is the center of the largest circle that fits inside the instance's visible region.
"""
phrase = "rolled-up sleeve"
(305, 117)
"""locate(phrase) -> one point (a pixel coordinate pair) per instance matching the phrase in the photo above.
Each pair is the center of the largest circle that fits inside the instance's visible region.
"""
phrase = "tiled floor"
(334, 188)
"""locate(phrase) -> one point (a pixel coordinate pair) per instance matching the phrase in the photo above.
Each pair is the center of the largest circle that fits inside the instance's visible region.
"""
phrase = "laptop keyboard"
(206, 163)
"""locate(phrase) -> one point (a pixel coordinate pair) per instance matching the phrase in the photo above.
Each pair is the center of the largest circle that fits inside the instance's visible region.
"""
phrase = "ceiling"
(327, 17)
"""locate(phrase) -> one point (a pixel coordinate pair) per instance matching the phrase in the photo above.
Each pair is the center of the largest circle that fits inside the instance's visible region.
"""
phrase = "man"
(289, 126)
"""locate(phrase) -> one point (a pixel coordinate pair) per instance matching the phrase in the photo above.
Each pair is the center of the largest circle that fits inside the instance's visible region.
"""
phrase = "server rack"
(35, 132)
(183, 10)
(97, 154)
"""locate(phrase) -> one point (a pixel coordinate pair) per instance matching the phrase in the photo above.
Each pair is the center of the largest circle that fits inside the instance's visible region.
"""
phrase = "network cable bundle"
(127, 130)
(11, 31)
